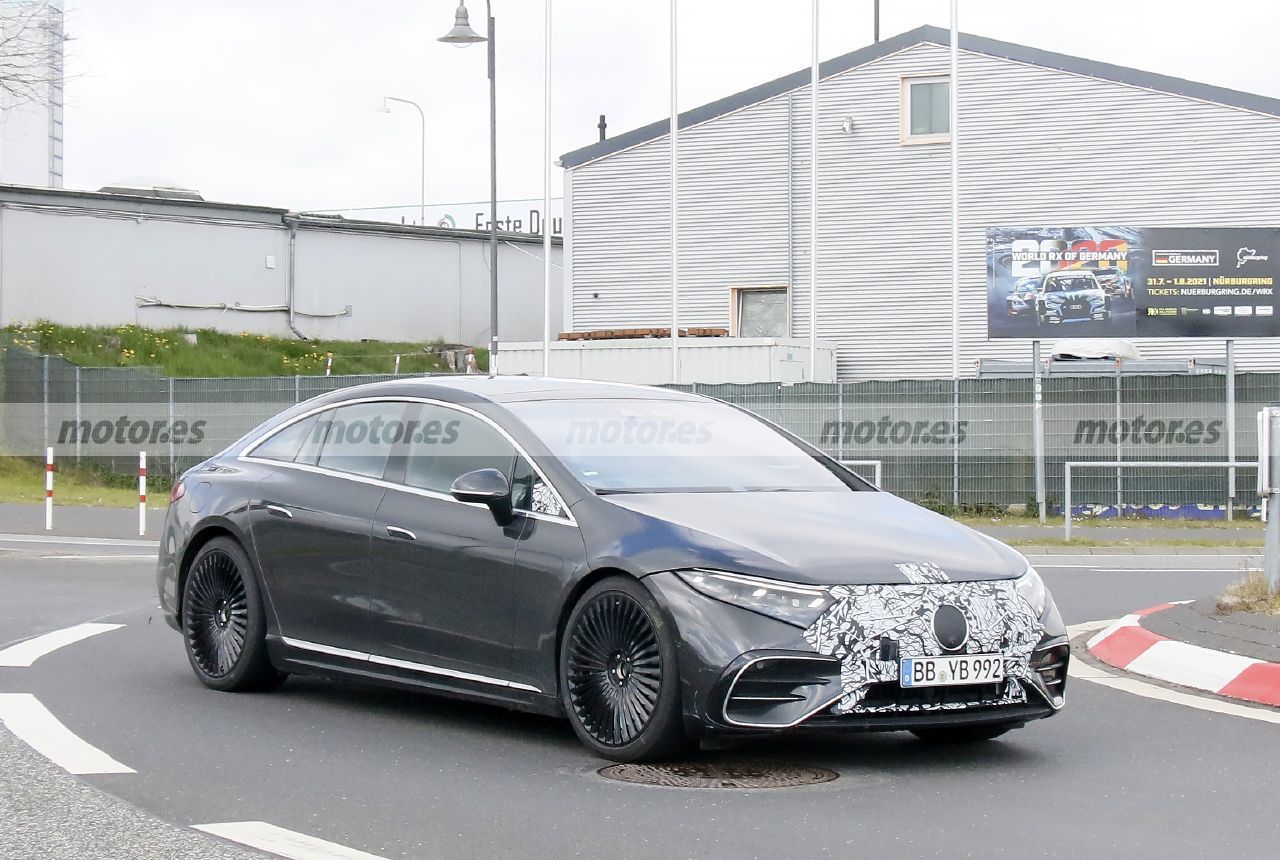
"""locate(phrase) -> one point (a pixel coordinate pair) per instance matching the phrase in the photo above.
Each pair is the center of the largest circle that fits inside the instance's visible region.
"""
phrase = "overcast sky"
(273, 101)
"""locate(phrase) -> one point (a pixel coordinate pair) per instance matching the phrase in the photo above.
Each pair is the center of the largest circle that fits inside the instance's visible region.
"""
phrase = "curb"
(1128, 645)
(1233, 550)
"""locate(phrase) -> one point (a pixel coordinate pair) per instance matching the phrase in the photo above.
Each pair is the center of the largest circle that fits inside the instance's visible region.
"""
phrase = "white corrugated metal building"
(1045, 139)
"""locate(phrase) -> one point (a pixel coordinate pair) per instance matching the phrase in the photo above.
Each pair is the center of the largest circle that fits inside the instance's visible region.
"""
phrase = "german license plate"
(950, 671)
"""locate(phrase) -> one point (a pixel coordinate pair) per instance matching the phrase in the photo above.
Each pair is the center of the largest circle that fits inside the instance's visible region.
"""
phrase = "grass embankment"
(22, 480)
(171, 352)
(1249, 595)
(1207, 541)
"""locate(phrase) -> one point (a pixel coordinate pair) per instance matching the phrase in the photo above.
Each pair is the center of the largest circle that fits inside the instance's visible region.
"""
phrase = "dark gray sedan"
(656, 566)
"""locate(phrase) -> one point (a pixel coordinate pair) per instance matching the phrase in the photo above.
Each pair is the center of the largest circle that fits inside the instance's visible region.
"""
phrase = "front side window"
(447, 443)
(357, 439)
(926, 110)
(762, 313)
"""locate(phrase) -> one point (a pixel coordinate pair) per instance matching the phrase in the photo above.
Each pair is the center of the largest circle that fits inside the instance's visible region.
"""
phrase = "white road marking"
(29, 720)
(1086, 672)
(1232, 570)
(285, 843)
(77, 541)
(1100, 569)
(25, 653)
(1132, 555)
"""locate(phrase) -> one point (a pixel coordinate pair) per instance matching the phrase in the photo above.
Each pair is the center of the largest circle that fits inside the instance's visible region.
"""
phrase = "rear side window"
(446, 443)
(284, 446)
(358, 439)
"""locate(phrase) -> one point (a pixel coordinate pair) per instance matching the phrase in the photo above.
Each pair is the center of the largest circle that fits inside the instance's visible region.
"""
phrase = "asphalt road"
(401, 774)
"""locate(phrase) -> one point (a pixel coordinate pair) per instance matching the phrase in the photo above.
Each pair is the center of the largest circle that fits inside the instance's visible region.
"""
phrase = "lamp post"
(422, 174)
(461, 36)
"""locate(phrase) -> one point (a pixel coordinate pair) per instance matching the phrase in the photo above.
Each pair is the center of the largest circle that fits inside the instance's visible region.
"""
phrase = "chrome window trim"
(364, 657)
(246, 454)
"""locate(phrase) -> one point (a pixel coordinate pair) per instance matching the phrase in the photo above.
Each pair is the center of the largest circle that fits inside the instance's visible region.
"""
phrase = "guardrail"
(1130, 464)
(877, 467)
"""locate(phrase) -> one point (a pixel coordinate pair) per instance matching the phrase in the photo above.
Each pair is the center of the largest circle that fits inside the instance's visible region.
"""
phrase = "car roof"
(509, 389)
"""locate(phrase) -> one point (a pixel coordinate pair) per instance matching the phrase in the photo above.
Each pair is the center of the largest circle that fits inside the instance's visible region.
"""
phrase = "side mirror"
(486, 487)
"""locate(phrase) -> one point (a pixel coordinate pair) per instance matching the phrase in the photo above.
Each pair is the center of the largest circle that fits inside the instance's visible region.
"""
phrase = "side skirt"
(314, 659)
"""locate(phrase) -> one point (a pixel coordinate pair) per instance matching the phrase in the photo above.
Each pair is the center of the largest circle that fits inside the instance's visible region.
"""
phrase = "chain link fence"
(938, 442)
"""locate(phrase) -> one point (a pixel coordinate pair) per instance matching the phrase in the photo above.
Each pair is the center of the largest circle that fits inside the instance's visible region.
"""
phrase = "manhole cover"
(719, 774)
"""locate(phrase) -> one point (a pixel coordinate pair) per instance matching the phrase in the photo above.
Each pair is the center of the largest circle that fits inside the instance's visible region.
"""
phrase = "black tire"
(619, 682)
(224, 626)
(962, 734)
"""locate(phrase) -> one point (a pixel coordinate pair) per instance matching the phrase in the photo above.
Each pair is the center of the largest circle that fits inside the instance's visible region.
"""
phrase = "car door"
(311, 518)
(550, 556)
(442, 569)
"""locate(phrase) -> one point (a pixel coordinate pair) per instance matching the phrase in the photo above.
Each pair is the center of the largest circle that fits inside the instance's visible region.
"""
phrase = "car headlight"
(1053, 300)
(785, 601)
(1031, 589)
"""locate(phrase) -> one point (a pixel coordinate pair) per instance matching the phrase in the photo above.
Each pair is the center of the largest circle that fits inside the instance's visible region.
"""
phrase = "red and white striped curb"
(1128, 645)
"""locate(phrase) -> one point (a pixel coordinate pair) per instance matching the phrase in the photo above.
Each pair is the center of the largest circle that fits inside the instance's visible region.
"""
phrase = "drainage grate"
(719, 774)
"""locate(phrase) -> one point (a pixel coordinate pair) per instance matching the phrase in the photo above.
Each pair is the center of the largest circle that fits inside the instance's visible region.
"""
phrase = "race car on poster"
(656, 566)
(1114, 282)
(1021, 300)
(1071, 295)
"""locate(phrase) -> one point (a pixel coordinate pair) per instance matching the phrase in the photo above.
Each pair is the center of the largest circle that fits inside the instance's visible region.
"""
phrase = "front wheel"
(618, 676)
(223, 622)
(962, 734)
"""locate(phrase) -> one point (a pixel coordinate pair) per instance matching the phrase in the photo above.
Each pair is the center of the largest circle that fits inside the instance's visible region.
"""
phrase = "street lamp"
(461, 36)
(422, 175)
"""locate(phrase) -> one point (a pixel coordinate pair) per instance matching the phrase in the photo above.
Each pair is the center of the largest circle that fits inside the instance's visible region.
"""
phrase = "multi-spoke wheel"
(618, 674)
(223, 622)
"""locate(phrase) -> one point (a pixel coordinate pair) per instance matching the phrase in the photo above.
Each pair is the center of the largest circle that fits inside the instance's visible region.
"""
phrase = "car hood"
(820, 538)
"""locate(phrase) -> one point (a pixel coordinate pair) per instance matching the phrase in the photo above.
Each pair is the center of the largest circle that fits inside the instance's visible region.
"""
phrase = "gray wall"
(1038, 146)
(81, 259)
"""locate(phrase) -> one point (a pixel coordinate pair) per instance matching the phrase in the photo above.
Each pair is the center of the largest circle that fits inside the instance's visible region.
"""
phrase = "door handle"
(279, 511)
(396, 531)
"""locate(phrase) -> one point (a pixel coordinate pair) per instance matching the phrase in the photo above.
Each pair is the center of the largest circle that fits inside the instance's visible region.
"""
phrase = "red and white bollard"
(142, 492)
(48, 489)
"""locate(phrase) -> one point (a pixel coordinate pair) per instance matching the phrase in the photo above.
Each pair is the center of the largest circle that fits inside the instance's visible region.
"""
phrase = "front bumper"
(744, 673)
(1064, 313)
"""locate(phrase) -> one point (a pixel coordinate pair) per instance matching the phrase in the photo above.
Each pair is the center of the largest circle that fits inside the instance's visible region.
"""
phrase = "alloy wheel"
(614, 669)
(217, 613)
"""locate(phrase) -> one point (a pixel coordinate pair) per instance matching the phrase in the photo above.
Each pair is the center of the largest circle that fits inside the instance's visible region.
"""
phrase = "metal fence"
(937, 441)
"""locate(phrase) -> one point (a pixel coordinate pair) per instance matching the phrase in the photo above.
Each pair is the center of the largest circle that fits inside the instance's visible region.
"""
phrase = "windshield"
(1074, 282)
(664, 446)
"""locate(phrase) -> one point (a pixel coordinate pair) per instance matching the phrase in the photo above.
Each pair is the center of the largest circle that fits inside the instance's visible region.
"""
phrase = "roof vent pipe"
(603, 126)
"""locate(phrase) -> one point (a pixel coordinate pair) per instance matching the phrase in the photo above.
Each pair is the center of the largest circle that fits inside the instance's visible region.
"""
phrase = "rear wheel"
(962, 734)
(223, 623)
(618, 677)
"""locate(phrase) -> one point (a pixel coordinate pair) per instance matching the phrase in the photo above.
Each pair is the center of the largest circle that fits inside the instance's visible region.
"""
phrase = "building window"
(761, 312)
(926, 109)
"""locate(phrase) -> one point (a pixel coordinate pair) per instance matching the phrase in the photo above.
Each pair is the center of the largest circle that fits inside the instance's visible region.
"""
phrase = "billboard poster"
(1124, 282)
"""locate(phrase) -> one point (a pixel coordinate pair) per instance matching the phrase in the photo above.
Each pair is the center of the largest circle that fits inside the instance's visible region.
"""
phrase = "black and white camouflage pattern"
(1000, 622)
